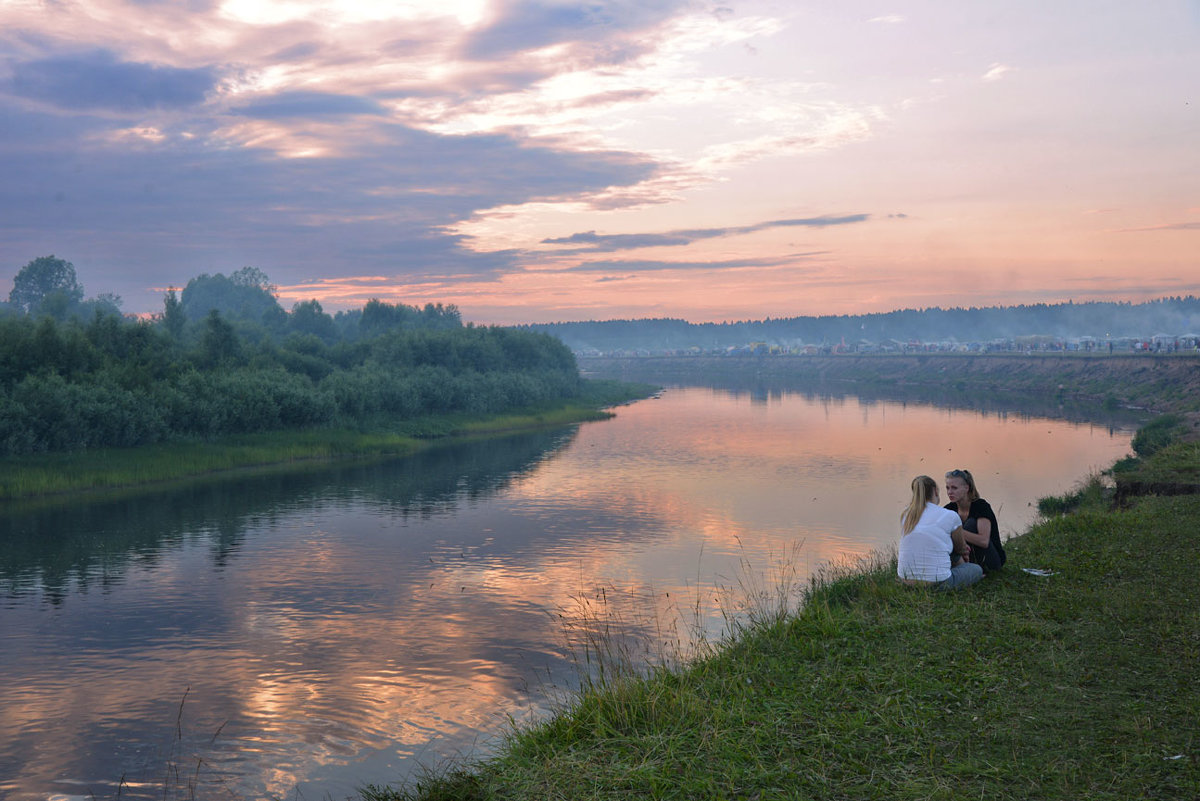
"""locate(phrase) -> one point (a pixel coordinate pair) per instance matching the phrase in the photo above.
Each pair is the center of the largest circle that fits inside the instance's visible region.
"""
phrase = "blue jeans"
(964, 574)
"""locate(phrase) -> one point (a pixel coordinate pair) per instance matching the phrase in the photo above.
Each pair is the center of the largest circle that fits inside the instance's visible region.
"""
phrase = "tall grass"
(1094, 492)
(184, 777)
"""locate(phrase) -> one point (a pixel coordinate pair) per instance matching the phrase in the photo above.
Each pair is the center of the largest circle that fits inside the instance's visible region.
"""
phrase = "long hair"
(965, 475)
(923, 488)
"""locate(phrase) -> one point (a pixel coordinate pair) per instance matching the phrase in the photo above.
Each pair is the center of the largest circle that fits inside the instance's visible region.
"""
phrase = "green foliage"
(377, 318)
(242, 297)
(174, 318)
(1168, 463)
(117, 383)
(1090, 494)
(1157, 434)
(225, 359)
(309, 318)
(219, 345)
(47, 284)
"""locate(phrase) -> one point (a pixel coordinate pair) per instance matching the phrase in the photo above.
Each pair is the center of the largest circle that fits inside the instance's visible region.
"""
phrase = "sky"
(537, 161)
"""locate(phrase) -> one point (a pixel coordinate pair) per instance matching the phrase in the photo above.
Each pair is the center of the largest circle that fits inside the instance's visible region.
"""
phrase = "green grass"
(113, 468)
(1158, 433)
(1092, 493)
(1082, 684)
(53, 474)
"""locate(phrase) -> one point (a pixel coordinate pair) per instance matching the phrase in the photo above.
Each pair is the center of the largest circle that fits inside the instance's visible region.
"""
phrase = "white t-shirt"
(925, 551)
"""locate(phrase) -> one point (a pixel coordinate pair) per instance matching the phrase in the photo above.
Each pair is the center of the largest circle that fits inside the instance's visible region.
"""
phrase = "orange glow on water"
(342, 635)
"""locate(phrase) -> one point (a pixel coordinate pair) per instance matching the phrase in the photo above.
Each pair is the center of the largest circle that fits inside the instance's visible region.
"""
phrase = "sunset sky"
(539, 161)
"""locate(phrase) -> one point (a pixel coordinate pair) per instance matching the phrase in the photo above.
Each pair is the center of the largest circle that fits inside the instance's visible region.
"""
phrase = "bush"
(1091, 494)
(116, 383)
(48, 413)
(1157, 434)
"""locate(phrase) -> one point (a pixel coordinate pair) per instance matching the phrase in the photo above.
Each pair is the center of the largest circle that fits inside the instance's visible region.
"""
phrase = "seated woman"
(980, 528)
(932, 544)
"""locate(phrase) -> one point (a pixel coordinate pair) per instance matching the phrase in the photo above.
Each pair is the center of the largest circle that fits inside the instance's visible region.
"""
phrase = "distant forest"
(1169, 317)
(224, 358)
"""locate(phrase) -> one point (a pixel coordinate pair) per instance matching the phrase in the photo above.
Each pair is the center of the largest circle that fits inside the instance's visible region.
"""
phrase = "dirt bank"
(1158, 383)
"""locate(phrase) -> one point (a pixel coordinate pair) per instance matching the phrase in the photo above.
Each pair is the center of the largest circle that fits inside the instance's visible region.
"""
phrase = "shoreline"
(49, 478)
(1075, 682)
(1149, 383)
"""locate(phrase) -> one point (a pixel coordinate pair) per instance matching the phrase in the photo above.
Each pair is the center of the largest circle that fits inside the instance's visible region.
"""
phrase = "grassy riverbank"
(121, 468)
(1080, 684)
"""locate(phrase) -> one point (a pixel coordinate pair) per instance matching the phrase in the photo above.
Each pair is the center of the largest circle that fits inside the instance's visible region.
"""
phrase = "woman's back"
(924, 553)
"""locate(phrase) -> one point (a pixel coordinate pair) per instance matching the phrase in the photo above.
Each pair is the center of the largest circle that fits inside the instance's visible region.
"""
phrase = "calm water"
(299, 637)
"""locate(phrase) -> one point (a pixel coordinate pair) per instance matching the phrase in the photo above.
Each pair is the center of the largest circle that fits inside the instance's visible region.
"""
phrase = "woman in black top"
(979, 521)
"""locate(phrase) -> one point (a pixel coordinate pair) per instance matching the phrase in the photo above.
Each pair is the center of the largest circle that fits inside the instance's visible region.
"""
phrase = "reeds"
(182, 778)
(613, 634)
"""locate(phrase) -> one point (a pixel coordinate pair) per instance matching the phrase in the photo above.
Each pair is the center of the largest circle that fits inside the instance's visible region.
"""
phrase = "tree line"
(224, 358)
(1175, 316)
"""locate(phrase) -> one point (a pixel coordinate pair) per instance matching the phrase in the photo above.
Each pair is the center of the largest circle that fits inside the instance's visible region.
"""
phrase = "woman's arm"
(981, 510)
(983, 537)
(960, 544)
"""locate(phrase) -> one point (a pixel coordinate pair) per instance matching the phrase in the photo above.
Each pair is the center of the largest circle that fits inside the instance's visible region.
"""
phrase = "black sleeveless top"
(993, 556)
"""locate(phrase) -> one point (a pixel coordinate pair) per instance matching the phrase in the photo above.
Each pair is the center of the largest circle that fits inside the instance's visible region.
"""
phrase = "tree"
(244, 297)
(44, 276)
(220, 343)
(252, 277)
(173, 316)
(309, 318)
(104, 304)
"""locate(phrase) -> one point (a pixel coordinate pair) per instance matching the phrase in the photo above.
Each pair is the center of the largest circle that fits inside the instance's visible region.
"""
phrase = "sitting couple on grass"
(948, 547)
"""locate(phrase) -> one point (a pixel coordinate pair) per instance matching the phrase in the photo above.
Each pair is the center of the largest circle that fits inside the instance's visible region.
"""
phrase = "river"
(300, 636)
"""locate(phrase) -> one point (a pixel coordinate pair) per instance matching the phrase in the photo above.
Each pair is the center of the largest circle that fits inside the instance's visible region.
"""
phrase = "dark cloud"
(151, 211)
(1183, 226)
(521, 25)
(650, 265)
(296, 52)
(605, 243)
(308, 104)
(194, 6)
(609, 98)
(98, 81)
(812, 222)
(611, 242)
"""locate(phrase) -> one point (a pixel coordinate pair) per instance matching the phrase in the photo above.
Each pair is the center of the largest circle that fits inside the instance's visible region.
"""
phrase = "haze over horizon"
(555, 161)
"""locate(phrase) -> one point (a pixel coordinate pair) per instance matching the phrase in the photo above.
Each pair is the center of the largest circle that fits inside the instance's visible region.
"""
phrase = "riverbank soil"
(1159, 383)
(1075, 681)
(1171, 447)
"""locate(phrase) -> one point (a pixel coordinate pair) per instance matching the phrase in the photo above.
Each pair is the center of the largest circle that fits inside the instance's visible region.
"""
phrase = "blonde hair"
(923, 488)
(969, 480)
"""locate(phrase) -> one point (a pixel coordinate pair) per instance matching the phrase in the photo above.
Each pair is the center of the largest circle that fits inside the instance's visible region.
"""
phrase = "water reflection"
(73, 547)
(766, 382)
(337, 626)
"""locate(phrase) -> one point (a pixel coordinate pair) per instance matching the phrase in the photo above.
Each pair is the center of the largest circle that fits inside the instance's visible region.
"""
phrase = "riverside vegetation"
(1078, 684)
(90, 399)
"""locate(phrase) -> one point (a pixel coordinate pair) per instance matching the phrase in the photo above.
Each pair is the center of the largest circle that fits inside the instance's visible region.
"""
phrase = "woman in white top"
(932, 546)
